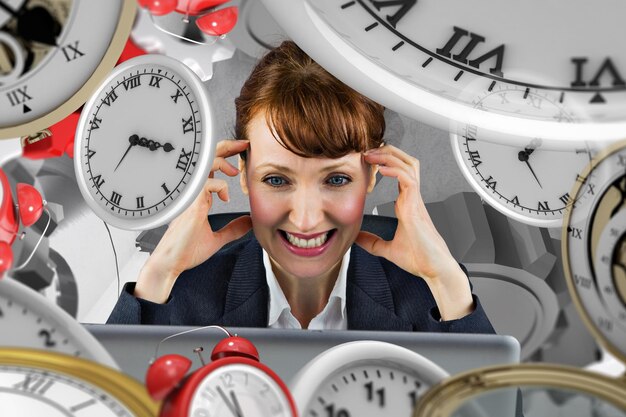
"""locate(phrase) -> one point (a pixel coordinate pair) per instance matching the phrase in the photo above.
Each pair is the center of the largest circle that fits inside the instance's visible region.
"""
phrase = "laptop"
(286, 351)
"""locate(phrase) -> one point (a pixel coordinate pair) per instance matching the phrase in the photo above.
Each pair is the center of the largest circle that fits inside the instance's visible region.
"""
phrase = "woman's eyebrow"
(277, 167)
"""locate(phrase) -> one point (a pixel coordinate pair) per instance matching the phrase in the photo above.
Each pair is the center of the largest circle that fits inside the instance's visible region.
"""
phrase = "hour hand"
(134, 140)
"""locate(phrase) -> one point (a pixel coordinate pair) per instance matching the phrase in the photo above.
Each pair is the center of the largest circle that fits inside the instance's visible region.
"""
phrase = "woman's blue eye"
(338, 180)
(275, 181)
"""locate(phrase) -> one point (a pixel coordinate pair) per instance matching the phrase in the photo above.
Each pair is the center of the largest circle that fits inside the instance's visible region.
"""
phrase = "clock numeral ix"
(463, 55)
(155, 81)
(73, 50)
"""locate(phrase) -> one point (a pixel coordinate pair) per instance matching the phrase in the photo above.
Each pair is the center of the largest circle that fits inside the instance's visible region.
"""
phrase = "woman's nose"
(307, 209)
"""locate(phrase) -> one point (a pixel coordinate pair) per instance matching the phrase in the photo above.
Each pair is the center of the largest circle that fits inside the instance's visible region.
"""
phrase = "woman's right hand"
(189, 240)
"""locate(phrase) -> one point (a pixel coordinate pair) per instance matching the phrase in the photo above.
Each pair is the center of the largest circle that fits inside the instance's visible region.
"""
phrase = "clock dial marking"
(153, 118)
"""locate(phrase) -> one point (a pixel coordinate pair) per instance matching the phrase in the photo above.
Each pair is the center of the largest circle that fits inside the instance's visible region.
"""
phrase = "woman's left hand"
(417, 247)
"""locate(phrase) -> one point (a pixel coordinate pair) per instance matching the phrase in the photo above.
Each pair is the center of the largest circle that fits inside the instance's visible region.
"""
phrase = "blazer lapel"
(247, 295)
(369, 302)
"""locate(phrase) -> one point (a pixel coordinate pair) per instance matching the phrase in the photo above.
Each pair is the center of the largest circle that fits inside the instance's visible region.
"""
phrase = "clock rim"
(307, 382)
(180, 400)
(597, 333)
(112, 54)
(122, 388)
(13, 290)
(490, 199)
(313, 35)
(444, 399)
(206, 155)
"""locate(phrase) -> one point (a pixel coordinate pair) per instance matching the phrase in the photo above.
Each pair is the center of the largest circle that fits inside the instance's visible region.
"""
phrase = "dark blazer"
(230, 289)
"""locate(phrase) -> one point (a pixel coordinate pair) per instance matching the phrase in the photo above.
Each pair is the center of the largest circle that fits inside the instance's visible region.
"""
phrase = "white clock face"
(368, 388)
(594, 250)
(239, 390)
(431, 59)
(364, 378)
(29, 320)
(32, 391)
(144, 143)
(51, 52)
(530, 183)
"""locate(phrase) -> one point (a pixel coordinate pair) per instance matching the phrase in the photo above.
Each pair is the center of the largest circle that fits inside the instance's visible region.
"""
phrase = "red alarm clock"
(212, 21)
(234, 384)
(27, 211)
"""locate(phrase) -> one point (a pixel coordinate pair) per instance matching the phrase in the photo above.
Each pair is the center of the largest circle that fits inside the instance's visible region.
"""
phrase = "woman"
(310, 148)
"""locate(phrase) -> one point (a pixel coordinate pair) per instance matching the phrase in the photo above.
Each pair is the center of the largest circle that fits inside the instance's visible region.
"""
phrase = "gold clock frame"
(123, 388)
(112, 54)
(445, 398)
(567, 272)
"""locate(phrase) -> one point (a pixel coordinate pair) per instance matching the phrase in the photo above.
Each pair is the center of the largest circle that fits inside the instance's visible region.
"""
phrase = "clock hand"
(523, 156)
(236, 402)
(7, 9)
(134, 140)
(230, 406)
(153, 145)
(38, 24)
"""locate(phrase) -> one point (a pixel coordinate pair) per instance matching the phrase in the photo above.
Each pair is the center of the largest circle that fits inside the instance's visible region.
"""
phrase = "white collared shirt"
(333, 316)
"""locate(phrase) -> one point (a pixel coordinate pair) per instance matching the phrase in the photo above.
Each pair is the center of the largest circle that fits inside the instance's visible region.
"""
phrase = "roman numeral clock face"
(434, 60)
(53, 54)
(144, 143)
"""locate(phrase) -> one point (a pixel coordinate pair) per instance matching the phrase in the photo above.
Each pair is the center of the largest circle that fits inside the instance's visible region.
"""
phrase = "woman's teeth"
(307, 243)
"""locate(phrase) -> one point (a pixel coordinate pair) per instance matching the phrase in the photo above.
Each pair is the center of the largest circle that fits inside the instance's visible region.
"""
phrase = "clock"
(432, 60)
(364, 378)
(35, 382)
(234, 383)
(145, 143)
(527, 179)
(50, 60)
(593, 239)
(30, 320)
(577, 392)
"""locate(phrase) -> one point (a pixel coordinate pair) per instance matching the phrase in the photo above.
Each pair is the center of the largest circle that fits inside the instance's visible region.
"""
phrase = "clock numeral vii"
(73, 50)
(116, 198)
(462, 56)
(110, 98)
(35, 384)
(131, 82)
(154, 81)
(405, 6)
(188, 125)
(330, 411)
(475, 157)
(183, 160)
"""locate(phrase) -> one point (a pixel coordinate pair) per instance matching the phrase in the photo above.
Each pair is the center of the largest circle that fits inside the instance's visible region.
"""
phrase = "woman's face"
(306, 212)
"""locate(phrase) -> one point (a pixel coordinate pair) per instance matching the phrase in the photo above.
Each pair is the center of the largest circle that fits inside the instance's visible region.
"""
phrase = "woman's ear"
(372, 183)
(243, 180)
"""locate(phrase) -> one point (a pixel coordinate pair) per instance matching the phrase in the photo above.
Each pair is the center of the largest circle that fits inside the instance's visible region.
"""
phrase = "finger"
(218, 186)
(406, 179)
(229, 147)
(390, 160)
(397, 152)
(223, 165)
(233, 230)
(372, 243)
